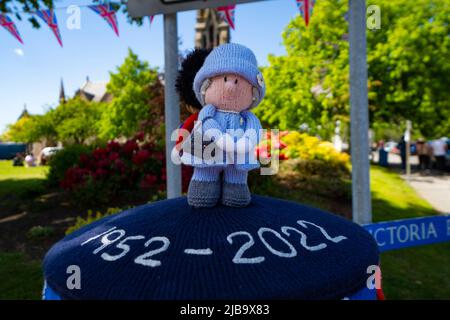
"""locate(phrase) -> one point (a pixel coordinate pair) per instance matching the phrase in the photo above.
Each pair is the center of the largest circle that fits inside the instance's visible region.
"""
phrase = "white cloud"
(19, 52)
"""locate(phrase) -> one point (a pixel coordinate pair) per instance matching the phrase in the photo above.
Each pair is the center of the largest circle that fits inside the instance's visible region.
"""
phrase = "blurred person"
(423, 152)
(402, 148)
(18, 160)
(30, 161)
(382, 154)
(439, 147)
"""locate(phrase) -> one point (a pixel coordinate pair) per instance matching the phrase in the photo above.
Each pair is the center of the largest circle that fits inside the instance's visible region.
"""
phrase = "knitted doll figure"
(170, 250)
(228, 85)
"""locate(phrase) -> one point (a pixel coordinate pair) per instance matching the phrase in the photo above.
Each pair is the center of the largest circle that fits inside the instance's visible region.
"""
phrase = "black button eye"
(236, 81)
(225, 79)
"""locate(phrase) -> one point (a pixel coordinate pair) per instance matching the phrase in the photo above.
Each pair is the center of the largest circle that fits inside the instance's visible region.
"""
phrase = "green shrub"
(91, 217)
(63, 160)
(315, 153)
(39, 232)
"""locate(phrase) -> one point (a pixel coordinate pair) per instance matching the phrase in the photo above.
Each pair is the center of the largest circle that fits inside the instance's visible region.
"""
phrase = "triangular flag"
(9, 25)
(107, 13)
(306, 9)
(227, 14)
(49, 18)
(151, 19)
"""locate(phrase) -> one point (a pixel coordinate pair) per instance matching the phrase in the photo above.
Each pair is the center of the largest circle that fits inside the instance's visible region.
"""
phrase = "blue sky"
(31, 73)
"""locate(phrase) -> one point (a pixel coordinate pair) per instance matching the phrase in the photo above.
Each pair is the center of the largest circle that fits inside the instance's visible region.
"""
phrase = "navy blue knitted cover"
(272, 249)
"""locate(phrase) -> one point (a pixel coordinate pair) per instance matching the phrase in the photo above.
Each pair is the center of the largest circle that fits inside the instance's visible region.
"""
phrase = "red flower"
(100, 173)
(120, 165)
(100, 153)
(84, 159)
(113, 146)
(140, 136)
(113, 156)
(159, 156)
(130, 146)
(148, 145)
(148, 181)
(103, 163)
(140, 157)
(74, 176)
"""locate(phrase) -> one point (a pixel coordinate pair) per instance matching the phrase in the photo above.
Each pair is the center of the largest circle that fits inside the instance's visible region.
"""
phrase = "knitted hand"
(226, 143)
(251, 137)
(245, 145)
(223, 141)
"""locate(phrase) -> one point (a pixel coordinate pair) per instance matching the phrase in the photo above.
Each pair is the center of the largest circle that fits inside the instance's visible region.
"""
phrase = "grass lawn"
(20, 181)
(415, 273)
(21, 278)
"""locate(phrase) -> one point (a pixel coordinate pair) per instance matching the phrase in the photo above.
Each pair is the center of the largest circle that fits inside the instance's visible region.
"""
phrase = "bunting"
(227, 14)
(9, 25)
(49, 18)
(306, 9)
(107, 13)
(151, 19)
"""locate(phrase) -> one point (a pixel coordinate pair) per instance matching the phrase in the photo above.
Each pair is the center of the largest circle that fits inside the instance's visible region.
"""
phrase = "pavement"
(432, 187)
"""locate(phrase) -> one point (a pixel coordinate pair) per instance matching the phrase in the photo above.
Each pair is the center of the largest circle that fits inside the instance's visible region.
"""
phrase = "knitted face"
(229, 92)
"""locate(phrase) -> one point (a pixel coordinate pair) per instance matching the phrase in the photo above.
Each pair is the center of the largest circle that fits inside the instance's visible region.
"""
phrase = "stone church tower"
(210, 30)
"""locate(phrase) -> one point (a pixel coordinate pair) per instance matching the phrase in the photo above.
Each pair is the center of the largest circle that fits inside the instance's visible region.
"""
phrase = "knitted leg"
(207, 174)
(235, 191)
(204, 188)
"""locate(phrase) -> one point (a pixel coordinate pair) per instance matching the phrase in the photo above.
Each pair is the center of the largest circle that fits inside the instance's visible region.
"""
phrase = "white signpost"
(361, 199)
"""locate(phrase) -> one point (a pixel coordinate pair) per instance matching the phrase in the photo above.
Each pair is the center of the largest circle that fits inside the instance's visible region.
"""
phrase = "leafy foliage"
(137, 104)
(91, 217)
(40, 232)
(309, 148)
(408, 69)
(77, 120)
(131, 87)
(104, 173)
(63, 160)
(20, 131)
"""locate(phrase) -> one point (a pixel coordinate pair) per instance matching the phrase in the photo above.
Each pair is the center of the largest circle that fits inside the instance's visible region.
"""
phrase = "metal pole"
(361, 198)
(407, 138)
(172, 102)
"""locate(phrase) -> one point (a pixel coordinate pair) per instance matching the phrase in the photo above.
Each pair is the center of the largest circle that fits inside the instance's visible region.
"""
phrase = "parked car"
(447, 156)
(47, 153)
(391, 146)
(413, 149)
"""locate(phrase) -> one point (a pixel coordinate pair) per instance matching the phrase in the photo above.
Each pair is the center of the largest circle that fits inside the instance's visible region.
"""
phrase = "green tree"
(310, 84)
(408, 69)
(32, 128)
(131, 86)
(409, 64)
(45, 127)
(20, 131)
(77, 120)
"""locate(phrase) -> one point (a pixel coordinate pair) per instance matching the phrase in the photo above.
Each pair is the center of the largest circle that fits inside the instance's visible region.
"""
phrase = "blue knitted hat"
(234, 59)
(272, 249)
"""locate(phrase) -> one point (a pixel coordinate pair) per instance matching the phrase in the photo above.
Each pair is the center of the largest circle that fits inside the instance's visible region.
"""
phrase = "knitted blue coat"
(243, 125)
